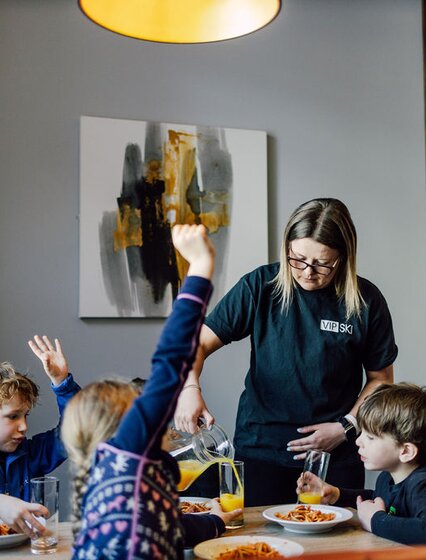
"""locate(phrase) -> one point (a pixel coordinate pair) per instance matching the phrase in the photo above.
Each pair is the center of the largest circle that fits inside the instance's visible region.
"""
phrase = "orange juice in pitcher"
(196, 452)
(190, 470)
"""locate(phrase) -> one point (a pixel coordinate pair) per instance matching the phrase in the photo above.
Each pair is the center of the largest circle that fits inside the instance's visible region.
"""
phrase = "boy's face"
(379, 453)
(13, 423)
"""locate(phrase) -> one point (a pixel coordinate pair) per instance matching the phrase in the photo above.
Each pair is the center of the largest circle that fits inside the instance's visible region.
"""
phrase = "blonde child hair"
(14, 383)
(92, 416)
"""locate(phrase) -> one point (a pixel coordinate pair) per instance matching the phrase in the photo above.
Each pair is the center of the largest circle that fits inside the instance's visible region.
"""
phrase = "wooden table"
(345, 536)
(348, 535)
(24, 551)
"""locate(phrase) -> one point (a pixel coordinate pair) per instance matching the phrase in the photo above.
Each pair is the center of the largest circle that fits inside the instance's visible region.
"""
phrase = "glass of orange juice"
(232, 490)
(314, 473)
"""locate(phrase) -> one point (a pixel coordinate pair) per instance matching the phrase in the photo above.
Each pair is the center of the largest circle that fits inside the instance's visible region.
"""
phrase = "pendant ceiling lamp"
(181, 21)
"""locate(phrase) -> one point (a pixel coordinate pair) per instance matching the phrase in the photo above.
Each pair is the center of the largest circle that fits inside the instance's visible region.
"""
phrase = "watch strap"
(350, 430)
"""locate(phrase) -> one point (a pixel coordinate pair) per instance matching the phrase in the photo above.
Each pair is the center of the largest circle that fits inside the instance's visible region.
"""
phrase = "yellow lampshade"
(181, 21)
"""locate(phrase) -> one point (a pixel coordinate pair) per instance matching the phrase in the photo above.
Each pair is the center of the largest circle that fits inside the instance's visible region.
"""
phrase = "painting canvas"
(138, 179)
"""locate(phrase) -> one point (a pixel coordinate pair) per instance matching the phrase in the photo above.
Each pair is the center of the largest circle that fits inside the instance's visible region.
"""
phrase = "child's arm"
(145, 423)
(19, 515)
(407, 527)
(46, 451)
(202, 527)
(330, 494)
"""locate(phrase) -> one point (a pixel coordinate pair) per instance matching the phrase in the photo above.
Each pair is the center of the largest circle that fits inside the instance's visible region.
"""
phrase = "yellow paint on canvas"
(129, 229)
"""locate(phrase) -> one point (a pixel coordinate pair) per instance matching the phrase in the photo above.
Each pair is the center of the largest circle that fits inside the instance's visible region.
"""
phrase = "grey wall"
(337, 85)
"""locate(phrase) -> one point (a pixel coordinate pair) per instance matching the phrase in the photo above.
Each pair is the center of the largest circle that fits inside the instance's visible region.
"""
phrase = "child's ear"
(408, 452)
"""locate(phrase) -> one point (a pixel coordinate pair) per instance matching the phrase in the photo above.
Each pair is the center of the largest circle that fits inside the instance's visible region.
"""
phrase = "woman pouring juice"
(321, 340)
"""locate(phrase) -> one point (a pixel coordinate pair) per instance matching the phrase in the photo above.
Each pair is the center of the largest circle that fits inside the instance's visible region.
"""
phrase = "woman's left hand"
(324, 437)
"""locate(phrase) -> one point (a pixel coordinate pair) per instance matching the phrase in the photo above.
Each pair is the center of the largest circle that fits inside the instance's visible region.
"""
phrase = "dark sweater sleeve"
(406, 530)
(201, 527)
(348, 496)
(46, 450)
(144, 425)
(408, 524)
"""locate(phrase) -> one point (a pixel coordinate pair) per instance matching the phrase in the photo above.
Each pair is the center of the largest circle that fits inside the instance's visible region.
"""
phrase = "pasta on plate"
(5, 530)
(256, 550)
(305, 514)
(190, 507)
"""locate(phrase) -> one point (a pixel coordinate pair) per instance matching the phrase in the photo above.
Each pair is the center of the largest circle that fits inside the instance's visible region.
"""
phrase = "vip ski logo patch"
(334, 326)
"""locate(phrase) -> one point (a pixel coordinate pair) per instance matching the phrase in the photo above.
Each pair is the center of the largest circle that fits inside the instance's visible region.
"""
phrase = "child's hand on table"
(366, 510)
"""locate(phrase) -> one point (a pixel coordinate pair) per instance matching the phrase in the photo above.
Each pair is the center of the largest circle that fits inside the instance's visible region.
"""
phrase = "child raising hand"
(21, 458)
(125, 492)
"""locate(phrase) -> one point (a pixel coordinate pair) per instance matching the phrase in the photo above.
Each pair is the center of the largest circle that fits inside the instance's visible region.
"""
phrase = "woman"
(314, 326)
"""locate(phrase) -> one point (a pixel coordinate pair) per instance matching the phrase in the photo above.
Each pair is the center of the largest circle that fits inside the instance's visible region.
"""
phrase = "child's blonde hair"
(92, 416)
(13, 383)
(398, 410)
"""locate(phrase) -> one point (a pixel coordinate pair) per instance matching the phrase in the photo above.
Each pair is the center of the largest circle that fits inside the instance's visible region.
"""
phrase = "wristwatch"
(350, 431)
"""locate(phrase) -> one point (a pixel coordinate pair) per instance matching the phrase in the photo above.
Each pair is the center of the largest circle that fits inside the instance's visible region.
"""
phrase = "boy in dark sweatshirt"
(393, 440)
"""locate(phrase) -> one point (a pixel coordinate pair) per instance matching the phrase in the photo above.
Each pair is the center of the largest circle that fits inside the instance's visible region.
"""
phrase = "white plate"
(8, 541)
(341, 514)
(210, 550)
(195, 500)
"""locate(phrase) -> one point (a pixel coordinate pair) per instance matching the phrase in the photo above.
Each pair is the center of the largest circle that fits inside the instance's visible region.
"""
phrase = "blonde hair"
(92, 416)
(13, 383)
(327, 221)
(398, 410)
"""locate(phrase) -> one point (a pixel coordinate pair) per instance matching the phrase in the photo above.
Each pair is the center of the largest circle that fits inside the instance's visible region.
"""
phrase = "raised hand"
(193, 244)
(21, 516)
(52, 358)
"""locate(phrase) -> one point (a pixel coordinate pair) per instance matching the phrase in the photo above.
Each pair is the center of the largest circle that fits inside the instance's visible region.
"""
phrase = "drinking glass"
(232, 490)
(45, 491)
(316, 463)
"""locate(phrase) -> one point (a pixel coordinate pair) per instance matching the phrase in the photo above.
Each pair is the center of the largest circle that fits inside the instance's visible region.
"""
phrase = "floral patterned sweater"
(130, 510)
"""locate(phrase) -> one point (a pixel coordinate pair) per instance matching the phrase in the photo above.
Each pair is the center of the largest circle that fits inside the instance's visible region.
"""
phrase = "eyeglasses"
(317, 268)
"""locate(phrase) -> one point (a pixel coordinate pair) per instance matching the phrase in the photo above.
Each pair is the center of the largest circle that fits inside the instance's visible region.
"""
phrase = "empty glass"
(45, 491)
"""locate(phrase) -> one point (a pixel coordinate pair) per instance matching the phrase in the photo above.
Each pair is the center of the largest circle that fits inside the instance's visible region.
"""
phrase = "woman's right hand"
(190, 408)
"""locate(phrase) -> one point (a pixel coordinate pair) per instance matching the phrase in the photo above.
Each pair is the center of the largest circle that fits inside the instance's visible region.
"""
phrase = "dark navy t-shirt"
(306, 364)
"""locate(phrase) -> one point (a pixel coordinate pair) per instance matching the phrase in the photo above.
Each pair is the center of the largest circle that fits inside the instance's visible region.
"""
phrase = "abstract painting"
(137, 180)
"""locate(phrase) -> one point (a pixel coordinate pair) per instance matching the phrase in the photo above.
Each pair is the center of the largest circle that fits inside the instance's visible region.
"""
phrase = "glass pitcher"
(196, 452)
